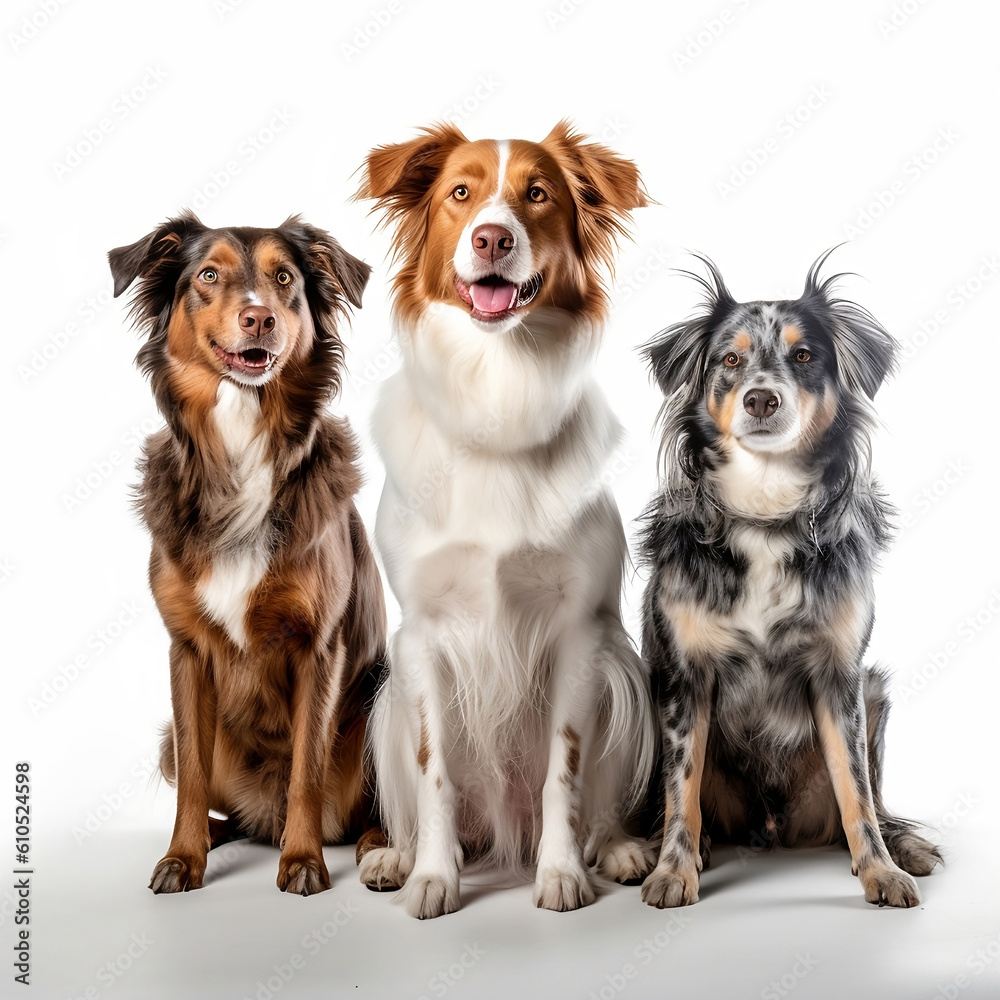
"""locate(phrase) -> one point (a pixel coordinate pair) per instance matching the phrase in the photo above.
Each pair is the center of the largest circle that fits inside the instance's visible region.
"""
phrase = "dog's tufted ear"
(156, 259)
(398, 177)
(331, 271)
(605, 187)
(676, 356)
(866, 352)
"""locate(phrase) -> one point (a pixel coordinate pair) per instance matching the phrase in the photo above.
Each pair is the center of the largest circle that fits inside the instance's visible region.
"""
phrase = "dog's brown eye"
(536, 194)
(208, 275)
(732, 359)
(283, 278)
(802, 356)
(460, 193)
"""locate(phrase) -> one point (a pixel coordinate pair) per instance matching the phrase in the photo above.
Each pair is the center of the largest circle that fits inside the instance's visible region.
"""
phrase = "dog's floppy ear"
(332, 271)
(866, 352)
(605, 186)
(153, 253)
(156, 259)
(676, 356)
(398, 177)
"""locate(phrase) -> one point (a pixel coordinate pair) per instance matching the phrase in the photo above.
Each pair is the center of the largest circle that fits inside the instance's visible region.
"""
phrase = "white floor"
(768, 925)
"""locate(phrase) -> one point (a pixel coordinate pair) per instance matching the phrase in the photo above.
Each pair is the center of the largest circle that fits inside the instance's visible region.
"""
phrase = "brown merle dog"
(260, 565)
(762, 544)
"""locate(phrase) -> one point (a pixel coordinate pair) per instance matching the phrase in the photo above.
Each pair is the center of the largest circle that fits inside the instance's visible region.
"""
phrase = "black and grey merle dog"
(761, 546)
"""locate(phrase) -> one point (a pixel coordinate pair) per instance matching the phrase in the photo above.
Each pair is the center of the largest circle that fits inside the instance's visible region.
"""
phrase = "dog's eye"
(802, 356)
(731, 360)
(537, 194)
(460, 193)
(209, 275)
(283, 278)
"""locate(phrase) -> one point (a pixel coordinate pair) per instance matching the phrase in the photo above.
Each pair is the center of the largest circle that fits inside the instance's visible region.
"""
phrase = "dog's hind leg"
(907, 849)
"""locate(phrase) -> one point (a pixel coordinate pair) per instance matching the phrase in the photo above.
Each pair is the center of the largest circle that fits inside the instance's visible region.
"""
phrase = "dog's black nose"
(492, 242)
(761, 402)
(255, 321)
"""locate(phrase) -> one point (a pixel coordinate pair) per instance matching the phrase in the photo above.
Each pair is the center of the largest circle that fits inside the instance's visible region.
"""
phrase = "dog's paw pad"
(381, 869)
(563, 888)
(427, 896)
(627, 860)
(668, 887)
(173, 874)
(889, 887)
(303, 876)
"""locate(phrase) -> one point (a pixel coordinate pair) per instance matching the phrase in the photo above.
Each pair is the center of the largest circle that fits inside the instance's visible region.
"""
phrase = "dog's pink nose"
(492, 242)
(761, 402)
(255, 321)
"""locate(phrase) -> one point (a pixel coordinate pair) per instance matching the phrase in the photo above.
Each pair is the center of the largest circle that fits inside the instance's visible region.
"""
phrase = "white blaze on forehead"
(518, 266)
(503, 152)
(253, 299)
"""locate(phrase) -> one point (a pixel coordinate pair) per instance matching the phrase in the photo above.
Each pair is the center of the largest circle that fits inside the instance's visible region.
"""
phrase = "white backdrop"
(767, 131)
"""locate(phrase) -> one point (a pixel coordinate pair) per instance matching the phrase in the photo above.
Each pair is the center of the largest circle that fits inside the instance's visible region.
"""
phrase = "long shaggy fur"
(761, 545)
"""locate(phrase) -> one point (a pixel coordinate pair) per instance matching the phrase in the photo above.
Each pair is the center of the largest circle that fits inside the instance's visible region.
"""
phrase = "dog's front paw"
(626, 859)
(382, 869)
(888, 886)
(432, 895)
(671, 886)
(563, 887)
(303, 875)
(177, 874)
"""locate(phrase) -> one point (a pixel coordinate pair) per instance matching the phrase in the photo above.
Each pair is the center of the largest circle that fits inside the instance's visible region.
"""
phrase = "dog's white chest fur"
(243, 552)
(770, 591)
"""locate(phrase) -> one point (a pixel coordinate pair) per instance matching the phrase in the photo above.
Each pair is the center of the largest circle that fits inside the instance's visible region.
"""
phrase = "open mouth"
(252, 361)
(492, 298)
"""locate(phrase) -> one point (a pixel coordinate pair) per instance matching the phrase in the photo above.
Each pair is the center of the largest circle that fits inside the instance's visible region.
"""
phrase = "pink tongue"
(492, 298)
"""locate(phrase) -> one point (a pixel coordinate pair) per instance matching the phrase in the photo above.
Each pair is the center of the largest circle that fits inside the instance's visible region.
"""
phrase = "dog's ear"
(333, 272)
(605, 186)
(156, 259)
(157, 253)
(398, 178)
(866, 352)
(676, 356)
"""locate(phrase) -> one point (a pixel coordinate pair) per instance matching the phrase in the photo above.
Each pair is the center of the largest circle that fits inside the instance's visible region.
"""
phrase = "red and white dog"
(516, 724)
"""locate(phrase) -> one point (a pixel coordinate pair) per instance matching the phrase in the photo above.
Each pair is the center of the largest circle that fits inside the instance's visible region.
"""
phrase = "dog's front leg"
(841, 727)
(562, 881)
(684, 707)
(193, 696)
(317, 689)
(432, 887)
